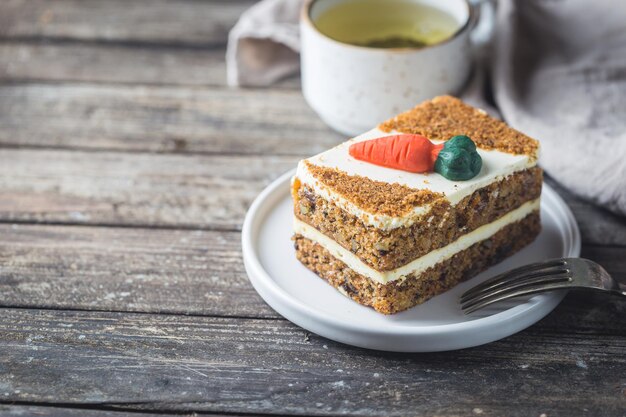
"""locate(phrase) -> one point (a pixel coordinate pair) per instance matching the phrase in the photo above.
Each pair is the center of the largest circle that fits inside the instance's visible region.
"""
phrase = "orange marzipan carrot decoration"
(413, 153)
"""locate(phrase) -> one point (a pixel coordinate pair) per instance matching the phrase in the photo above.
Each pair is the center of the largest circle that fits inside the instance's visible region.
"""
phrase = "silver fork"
(554, 274)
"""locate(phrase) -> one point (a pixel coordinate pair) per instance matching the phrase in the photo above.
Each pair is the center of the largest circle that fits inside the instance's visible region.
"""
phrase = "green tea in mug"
(386, 23)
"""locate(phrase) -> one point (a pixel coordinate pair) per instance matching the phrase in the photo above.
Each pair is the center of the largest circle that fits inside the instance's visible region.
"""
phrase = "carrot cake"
(411, 208)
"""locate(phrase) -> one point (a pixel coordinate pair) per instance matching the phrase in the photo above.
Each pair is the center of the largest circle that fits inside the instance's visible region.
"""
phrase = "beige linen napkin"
(264, 44)
(559, 72)
(558, 69)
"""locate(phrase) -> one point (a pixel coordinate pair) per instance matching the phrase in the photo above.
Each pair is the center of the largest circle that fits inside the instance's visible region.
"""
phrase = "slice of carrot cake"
(411, 208)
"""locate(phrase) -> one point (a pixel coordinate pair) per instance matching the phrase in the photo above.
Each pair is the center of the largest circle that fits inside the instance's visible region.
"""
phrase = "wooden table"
(126, 167)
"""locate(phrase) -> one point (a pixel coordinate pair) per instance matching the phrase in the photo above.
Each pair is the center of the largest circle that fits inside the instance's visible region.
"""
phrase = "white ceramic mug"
(353, 88)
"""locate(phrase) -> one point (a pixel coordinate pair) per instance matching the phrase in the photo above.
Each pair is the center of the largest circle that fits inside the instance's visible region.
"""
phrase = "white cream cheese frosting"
(497, 165)
(420, 264)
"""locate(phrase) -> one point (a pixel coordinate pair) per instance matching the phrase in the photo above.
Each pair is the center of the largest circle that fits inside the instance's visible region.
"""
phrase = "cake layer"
(442, 224)
(422, 263)
(416, 288)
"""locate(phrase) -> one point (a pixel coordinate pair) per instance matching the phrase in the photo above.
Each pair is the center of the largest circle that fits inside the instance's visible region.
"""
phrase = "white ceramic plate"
(437, 325)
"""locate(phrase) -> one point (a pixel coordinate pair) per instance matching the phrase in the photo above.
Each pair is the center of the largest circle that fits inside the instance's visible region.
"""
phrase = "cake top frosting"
(444, 117)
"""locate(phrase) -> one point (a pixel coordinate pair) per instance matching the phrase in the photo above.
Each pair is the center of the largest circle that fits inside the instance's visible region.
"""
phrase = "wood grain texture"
(21, 62)
(106, 63)
(211, 192)
(144, 270)
(162, 119)
(177, 22)
(233, 365)
(14, 410)
(122, 269)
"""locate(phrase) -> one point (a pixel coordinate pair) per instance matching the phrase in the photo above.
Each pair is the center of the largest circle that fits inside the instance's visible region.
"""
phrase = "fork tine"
(519, 293)
(513, 281)
(513, 274)
(520, 271)
(527, 282)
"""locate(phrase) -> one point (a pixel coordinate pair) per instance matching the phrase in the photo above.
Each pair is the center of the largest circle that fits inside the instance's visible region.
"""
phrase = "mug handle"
(484, 12)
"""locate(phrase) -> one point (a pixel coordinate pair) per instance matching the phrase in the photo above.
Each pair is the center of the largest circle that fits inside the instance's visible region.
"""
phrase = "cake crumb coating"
(444, 117)
(391, 199)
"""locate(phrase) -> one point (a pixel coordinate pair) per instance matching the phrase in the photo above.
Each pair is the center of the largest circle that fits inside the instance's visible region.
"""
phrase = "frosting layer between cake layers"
(496, 166)
(420, 264)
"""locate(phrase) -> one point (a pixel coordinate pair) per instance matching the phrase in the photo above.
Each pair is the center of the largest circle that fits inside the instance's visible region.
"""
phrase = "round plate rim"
(303, 315)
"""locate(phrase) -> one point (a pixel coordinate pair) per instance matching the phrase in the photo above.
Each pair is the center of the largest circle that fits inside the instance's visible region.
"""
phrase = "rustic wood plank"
(162, 119)
(12, 410)
(156, 362)
(144, 270)
(104, 63)
(177, 22)
(82, 62)
(132, 189)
